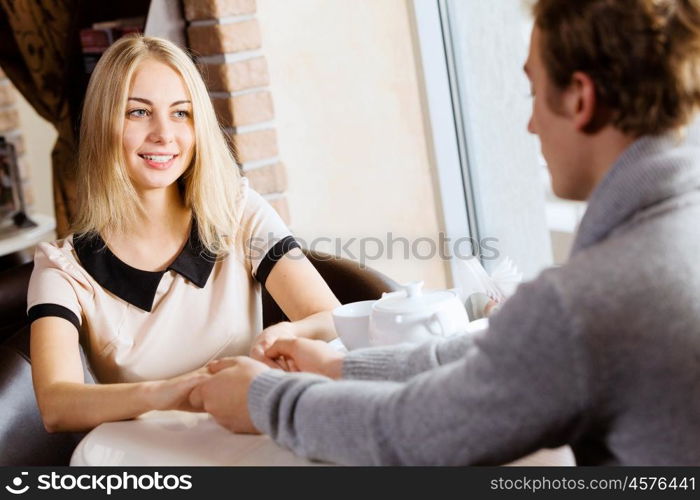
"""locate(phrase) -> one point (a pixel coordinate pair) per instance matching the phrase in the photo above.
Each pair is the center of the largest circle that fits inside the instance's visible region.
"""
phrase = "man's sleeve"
(403, 361)
(520, 387)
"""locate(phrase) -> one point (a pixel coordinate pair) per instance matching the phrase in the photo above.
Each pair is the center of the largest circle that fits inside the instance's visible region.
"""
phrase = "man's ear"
(582, 100)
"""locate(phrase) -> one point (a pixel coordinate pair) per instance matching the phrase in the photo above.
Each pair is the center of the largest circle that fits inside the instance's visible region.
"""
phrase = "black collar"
(133, 285)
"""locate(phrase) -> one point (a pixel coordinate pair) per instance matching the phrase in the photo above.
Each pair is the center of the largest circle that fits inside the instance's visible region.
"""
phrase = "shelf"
(14, 239)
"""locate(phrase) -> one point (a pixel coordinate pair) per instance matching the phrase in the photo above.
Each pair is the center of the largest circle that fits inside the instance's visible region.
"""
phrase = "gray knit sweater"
(602, 354)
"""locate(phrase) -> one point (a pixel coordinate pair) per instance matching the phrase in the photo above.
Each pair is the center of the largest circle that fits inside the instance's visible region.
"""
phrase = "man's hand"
(225, 393)
(268, 337)
(307, 355)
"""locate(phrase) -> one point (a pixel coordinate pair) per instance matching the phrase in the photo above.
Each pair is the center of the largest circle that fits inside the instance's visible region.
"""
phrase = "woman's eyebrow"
(150, 103)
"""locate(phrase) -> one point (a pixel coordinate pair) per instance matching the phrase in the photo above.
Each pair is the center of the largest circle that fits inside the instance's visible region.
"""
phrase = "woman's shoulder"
(257, 217)
(57, 254)
(63, 246)
(250, 200)
(251, 203)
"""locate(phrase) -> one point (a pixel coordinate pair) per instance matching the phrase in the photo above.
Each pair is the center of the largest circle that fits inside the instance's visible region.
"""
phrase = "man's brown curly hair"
(643, 56)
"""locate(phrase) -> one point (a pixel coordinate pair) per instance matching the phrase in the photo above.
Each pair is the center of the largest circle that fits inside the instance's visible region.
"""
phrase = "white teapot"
(408, 315)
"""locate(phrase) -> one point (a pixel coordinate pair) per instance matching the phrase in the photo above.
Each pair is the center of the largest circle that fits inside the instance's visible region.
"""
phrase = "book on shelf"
(97, 38)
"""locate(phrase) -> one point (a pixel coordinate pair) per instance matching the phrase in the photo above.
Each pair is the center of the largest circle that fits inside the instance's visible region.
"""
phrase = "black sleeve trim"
(273, 255)
(44, 310)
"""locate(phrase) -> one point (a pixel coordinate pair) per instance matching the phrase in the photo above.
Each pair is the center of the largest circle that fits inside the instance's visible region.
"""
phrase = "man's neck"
(604, 150)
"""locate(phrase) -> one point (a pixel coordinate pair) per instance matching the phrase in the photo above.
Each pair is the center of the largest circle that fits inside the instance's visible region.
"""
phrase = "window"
(493, 181)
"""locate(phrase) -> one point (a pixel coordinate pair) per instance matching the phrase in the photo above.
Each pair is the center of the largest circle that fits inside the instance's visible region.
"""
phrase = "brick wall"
(10, 128)
(225, 35)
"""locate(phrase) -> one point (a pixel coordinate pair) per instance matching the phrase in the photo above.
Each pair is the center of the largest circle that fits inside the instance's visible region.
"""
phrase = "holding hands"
(224, 392)
(279, 346)
(268, 337)
(173, 393)
(307, 355)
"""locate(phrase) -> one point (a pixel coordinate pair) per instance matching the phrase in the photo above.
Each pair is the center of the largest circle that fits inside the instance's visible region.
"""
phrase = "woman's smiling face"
(158, 134)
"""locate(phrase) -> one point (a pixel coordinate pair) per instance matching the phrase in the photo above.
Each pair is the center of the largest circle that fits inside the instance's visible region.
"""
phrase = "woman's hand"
(308, 355)
(225, 394)
(173, 393)
(268, 337)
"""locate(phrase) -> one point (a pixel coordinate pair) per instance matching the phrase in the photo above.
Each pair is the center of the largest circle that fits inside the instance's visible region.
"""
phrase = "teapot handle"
(442, 320)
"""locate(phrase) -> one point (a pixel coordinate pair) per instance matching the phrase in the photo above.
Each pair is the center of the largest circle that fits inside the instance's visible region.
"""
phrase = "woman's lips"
(156, 161)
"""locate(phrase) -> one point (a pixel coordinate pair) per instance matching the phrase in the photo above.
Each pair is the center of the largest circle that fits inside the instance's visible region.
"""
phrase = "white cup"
(352, 323)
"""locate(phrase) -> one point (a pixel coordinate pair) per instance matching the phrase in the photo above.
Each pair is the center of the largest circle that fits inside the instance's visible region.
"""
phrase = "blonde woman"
(170, 248)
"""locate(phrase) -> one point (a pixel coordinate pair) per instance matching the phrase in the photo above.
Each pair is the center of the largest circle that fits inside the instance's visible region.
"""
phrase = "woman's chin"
(160, 180)
(153, 185)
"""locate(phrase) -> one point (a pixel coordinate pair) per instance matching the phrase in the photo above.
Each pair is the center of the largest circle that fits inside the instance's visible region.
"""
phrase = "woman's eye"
(182, 114)
(138, 113)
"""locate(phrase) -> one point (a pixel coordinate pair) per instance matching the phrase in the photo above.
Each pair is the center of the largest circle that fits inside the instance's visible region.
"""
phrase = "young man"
(602, 353)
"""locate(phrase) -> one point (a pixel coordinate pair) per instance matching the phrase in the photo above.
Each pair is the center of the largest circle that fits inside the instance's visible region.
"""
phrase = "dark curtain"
(39, 51)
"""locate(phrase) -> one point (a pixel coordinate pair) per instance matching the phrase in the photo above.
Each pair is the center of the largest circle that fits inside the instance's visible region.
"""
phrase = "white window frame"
(445, 127)
(458, 142)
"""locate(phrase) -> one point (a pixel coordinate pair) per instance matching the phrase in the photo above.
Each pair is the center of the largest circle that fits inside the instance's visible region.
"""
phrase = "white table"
(14, 239)
(177, 438)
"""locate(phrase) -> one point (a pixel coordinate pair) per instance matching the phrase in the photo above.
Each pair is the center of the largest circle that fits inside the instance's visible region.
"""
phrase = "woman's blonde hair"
(107, 200)
(643, 55)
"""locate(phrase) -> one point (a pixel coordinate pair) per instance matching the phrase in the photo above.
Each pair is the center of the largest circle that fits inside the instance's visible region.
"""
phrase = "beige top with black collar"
(138, 325)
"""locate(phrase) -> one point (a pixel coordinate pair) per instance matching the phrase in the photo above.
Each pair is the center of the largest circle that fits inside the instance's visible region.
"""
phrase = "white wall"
(350, 126)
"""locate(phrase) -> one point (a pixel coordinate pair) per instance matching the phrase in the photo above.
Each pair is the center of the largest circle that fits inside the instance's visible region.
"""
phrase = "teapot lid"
(411, 299)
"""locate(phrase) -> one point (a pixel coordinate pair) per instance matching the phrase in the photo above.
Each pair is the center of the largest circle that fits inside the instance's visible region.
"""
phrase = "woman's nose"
(161, 131)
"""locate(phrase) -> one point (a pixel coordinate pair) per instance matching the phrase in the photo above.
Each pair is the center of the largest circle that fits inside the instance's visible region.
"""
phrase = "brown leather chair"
(23, 439)
(13, 299)
(348, 280)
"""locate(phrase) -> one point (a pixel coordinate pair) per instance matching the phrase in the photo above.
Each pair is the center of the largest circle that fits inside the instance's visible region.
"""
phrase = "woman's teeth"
(158, 158)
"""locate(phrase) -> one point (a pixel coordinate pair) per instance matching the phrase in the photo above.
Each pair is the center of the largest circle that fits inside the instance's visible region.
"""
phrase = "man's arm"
(397, 363)
(518, 388)
(403, 361)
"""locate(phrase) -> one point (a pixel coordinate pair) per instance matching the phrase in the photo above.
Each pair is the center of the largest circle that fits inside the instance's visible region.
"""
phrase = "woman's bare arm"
(303, 295)
(68, 404)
